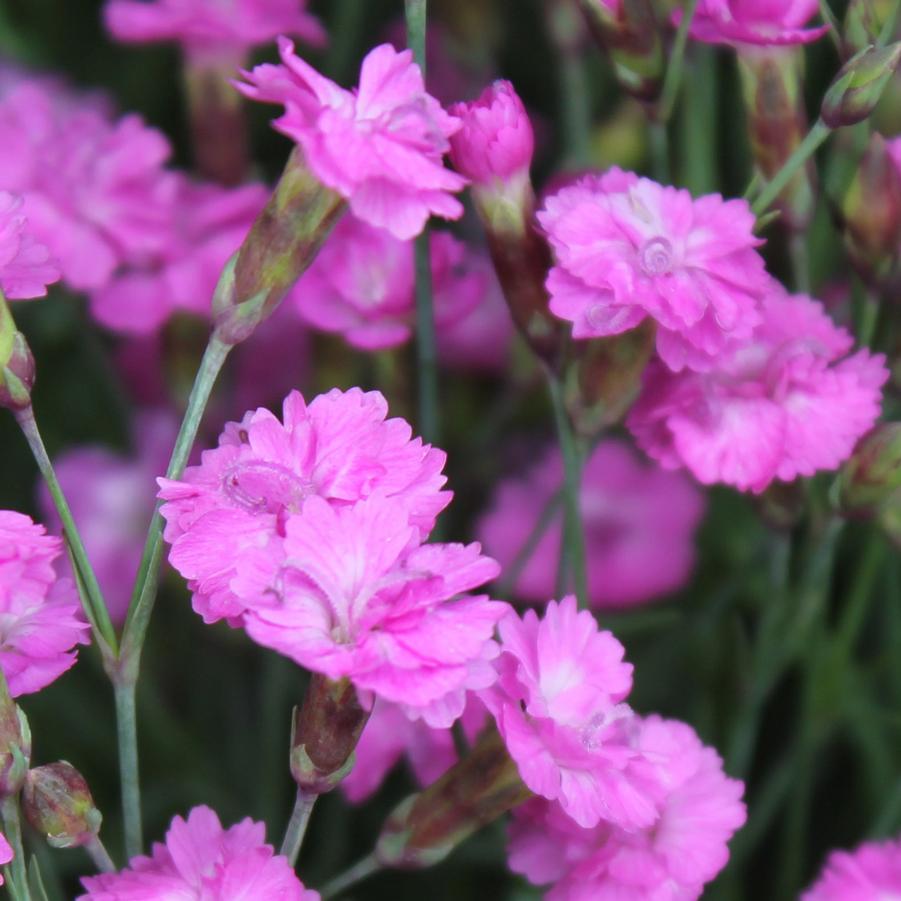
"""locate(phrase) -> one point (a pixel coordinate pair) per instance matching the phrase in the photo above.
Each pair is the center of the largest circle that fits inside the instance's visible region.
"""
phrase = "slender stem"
(574, 537)
(697, 131)
(889, 26)
(297, 825)
(92, 598)
(127, 735)
(773, 188)
(673, 75)
(416, 15)
(658, 140)
(100, 855)
(869, 317)
(868, 568)
(835, 29)
(797, 248)
(361, 870)
(13, 828)
(551, 508)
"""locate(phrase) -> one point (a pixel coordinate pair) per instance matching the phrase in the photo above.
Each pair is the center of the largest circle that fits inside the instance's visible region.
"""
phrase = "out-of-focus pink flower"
(93, 187)
(672, 860)
(212, 29)
(112, 498)
(558, 705)
(6, 853)
(762, 22)
(639, 524)
(380, 146)
(208, 224)
(201, 860)
(869, 873)
(356, 597)
(233, 507)
(627, 248)
(40, 621)
(391, 735)
(787, 404)
(25, 264)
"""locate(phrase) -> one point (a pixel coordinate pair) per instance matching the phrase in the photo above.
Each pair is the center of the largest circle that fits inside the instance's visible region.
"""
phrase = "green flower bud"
(58, 803)
(856, 89)
(863, 23)
(873, 473)
(17, 369)
(15, 743)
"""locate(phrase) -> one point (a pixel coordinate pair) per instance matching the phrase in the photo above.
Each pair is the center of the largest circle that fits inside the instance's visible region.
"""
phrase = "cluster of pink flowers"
(201, 860)
(26, 267)
(40, 622)
(308, 533)
(754, 22)
(869, 873)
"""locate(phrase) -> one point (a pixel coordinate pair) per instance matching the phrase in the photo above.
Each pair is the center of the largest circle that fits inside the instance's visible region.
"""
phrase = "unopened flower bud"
(325, 731)
(873, 473)
(17, 369)
(856, 89)
(864, 20)
(15, 743)
(58, 803)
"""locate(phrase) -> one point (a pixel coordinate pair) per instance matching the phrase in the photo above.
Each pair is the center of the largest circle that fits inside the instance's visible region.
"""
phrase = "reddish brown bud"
(873, 474)
(58, 803)
(856, 89)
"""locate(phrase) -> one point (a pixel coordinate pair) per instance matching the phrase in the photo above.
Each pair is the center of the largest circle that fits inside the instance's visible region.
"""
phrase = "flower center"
(262, 487)
(656, 257)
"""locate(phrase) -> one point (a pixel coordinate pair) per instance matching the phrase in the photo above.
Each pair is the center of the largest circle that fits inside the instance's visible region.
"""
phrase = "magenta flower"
(558, 705)
(627, 248)
(25, 264)
(869, 873)
(379, 146)
(789, 403)
(40, 621)
(672, 860)
(639, 524)
(357, 597)
(211, 29)
(112, 498)
(233, 507)
(762, 22)
(200, 860)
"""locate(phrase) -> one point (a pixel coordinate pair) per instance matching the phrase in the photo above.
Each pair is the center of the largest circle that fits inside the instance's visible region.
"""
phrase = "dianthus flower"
(787, 404)
(380, 146)
(558, 705)
(112, 498)
(25, 264)
(93, 187)
(235, 504)
(209, 223)
(627, 248)
(211, 29)
(869, 873)
(362, 285)
(39, 613)
(199, 861)
(672, 860)
(761, 22)
(639, 524)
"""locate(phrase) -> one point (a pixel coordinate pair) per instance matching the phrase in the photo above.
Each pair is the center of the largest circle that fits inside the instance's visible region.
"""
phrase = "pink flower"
(362, 285)
(25, 264)
(39, 613)
(558, 706)
(763, 22)
(234, 505)
(358, 597)
(869, 873)
(788, 403)
(6, 853)
(672, 860)
(379, 146)
(639, 527)
(211, 28)
(93, 188)
(627, 248)
(208, 224)
(112, 498)
(200, 860)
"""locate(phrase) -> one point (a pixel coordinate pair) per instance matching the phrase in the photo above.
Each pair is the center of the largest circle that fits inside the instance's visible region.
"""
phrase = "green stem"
(673, 76)
(13, 828)
(697, 130)
(800, 260)
(551, 508)
(889, 26)
(773, 188)
(659, 143)
(92, 597)
(129, 778)
(361, 870)
(835, 28)
(416, 14)
(861, 594)
(869, 317)
(100, 855)
(297, 825)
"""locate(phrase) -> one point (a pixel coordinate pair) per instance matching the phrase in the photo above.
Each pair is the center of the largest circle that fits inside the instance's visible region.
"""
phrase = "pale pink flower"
(871, 872)
(112, 496)
(40, 621)
(201, 861)
(6, 853)
(558, 705)
(639, 524)
(211, 29)
(26, 267)
(358, 597)
(234, 505)
(380, 146)
(762, 22)
(208, 224)
(787, 404)
(671, 860)
(627, 248)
